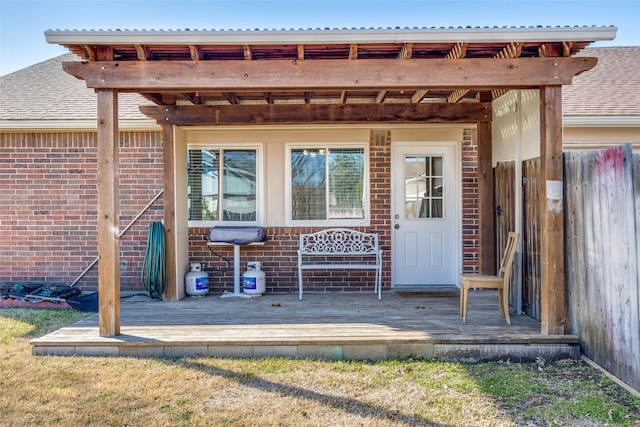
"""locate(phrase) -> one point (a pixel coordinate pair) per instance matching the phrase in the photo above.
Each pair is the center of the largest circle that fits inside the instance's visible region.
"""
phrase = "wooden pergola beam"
(196, 52)
(405, 53)
(371, 74)
(512, 50)
(419, 96)
(215, 115)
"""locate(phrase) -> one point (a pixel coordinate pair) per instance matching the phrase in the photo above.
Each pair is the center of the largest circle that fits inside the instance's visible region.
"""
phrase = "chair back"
(507, 258)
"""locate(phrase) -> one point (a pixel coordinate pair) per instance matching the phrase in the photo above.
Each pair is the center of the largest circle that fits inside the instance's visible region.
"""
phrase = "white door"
(425, 215)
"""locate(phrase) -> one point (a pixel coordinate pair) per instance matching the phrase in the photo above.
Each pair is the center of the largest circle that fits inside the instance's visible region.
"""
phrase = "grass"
(82, 391)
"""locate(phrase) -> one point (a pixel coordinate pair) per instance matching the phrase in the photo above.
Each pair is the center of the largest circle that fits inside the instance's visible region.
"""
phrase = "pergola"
(245, 78)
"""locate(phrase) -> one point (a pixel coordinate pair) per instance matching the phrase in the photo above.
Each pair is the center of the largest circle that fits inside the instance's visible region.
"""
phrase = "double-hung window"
(223, 186)
(327, 185)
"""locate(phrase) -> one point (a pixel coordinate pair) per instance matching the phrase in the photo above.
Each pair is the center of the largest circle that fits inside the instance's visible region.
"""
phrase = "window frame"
(260, 208)
(360, 222)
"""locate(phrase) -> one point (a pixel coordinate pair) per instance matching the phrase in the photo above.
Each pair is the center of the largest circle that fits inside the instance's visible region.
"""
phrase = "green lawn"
(74, 391)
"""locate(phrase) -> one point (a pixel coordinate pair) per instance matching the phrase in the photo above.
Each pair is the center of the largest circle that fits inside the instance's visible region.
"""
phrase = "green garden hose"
(154, 276)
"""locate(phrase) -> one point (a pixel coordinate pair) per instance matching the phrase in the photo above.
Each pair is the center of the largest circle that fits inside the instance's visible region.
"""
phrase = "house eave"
(601, 121)
(148, 124)
(74, 125)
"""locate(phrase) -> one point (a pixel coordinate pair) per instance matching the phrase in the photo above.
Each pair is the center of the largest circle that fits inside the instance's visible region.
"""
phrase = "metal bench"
(319, 250)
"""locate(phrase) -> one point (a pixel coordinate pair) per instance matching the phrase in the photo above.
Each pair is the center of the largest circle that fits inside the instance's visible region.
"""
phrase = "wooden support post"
(553, 295)
(169, 202)
(108, 215)
(486, 222)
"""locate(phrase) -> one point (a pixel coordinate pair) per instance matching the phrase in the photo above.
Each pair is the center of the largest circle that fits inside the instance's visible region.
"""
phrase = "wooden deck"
(323, 325)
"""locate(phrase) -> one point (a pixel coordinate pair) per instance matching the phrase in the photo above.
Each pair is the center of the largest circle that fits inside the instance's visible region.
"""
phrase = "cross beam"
(215, 115)
(370, 74)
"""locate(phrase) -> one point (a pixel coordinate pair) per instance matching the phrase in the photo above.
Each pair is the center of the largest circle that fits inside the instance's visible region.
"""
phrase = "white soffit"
(71, 125)
(601, 121)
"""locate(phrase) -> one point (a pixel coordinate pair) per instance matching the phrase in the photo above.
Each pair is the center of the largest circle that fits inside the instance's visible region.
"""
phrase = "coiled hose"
(154, 276)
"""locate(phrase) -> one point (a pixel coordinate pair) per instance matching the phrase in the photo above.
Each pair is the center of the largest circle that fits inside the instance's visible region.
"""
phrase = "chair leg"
(465, 301)
(503, 301)
(300, 284)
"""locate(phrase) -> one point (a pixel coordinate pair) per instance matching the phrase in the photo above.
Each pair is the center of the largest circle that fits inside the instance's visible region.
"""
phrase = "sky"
(23, 22)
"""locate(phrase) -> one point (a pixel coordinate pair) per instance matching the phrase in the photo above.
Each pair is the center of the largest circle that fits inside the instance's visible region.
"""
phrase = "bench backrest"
(338, 241)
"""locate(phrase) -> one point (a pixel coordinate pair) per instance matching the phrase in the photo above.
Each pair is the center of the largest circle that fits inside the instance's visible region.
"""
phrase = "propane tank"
(197, 281)
(253, 280)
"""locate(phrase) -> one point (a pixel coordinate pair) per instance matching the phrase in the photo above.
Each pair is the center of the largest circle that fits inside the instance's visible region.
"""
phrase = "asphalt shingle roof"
(44, 91)
(611, 88)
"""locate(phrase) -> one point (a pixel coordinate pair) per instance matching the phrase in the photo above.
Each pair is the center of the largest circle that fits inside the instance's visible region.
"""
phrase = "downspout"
(124, 230)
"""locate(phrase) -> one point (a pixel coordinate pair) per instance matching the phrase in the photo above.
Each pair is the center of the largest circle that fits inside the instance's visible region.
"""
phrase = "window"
(222, 185)
(423, 187)
(327, 185)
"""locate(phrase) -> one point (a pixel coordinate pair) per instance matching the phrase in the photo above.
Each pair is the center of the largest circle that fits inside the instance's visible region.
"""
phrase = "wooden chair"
(499, 282)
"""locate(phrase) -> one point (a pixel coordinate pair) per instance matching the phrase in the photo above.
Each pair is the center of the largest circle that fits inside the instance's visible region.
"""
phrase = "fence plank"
(627, 338)
(574, 245)
(505, 204)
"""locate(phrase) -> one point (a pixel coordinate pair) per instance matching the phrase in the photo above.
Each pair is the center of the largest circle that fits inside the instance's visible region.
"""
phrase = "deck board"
(324, 325)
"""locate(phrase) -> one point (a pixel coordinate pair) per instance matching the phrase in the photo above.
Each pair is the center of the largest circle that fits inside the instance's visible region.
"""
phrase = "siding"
(49, 204)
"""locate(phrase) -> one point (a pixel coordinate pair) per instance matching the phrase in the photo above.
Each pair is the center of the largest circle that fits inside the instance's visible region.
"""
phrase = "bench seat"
(344, 243)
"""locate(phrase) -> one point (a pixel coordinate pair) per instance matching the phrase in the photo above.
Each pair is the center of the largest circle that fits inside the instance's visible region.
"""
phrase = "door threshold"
(426, 291)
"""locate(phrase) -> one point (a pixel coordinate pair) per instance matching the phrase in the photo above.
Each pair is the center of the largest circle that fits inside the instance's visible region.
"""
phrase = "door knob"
(396, 226)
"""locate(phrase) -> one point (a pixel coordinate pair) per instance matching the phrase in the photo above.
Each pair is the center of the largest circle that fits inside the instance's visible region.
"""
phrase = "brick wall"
(48, 207)
(279, 255)
(470, 238)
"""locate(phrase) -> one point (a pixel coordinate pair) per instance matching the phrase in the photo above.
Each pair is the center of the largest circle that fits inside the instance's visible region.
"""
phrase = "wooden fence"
(531, 238)
(504, 196)
(602, 239)
(602, 225)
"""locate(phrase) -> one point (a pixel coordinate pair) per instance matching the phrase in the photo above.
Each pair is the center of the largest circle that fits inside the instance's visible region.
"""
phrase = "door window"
(423, 189)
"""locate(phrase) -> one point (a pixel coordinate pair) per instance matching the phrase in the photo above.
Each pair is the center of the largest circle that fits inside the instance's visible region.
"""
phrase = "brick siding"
(48, 208)
(48, 214)
(470, 226)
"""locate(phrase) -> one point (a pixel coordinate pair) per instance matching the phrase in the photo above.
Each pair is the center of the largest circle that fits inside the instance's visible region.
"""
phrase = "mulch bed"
(40, 295)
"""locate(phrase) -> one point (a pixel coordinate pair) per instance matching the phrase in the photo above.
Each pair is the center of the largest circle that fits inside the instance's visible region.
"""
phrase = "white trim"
(595, 145)
(600, 121)
(396, 146)
(311, 36)
(361, 222)
(338, 126)
(71, 125)
(260, 184)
